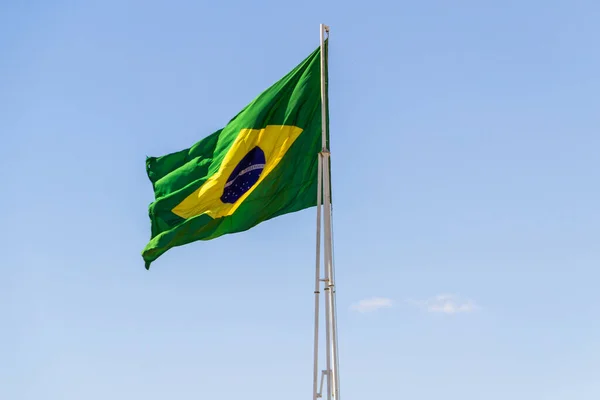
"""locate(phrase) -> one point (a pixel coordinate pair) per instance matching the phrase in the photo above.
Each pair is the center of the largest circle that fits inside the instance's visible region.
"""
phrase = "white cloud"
(372, 304)
(447, 304)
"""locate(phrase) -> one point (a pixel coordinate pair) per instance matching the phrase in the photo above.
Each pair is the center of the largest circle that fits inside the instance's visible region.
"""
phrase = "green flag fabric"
(261, 165)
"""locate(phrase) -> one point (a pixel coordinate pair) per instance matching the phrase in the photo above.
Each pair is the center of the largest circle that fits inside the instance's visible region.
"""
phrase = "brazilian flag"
(261, 165)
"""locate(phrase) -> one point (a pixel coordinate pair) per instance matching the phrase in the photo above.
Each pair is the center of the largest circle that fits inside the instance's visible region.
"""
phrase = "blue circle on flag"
(244, 175)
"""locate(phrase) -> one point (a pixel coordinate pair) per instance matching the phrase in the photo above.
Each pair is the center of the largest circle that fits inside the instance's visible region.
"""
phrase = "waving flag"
(261, 165)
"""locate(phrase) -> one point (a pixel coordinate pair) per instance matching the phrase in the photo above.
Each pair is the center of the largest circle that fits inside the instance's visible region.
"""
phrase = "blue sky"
(466, 181)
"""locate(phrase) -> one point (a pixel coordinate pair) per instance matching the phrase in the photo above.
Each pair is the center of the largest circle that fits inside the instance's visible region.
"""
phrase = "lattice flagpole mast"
(331, 373)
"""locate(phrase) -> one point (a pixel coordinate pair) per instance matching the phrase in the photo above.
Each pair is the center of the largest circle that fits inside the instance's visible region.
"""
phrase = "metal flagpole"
(327, 206)
(324, 204)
